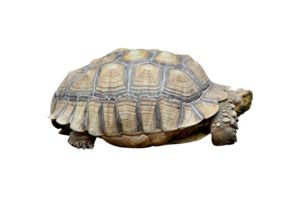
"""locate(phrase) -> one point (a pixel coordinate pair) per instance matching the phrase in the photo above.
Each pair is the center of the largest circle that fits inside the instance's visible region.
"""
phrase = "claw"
(233, 122)
(84, 146)
(90, 146)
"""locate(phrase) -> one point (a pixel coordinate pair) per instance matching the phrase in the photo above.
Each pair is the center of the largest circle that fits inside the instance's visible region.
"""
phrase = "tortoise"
(140, 98)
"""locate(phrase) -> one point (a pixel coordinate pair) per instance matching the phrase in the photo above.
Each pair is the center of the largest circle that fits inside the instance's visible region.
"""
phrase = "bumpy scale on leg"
(224, 125)
(81, 140)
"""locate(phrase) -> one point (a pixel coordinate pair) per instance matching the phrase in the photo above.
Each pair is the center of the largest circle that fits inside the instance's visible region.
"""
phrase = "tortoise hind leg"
(81, 140)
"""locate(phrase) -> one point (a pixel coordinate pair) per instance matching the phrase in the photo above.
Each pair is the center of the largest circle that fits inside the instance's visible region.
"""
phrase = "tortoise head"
(242, 99)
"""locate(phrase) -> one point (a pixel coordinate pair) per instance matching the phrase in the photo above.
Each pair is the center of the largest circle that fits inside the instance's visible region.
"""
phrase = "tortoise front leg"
(81, 140)
(224, 125)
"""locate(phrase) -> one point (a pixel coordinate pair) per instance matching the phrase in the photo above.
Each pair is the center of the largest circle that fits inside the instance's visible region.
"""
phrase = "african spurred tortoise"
(142, 98)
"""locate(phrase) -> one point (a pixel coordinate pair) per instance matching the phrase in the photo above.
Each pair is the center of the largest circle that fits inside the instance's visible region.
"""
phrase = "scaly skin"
(224, 124)
(81, 140)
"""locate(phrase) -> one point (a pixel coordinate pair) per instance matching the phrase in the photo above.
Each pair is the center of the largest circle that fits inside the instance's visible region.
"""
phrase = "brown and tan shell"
(149, 94)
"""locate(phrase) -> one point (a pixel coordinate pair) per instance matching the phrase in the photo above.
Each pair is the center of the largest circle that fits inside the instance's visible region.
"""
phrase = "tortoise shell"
(129, 92)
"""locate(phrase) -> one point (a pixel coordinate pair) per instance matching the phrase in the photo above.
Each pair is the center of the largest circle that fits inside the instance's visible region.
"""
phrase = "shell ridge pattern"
(101, 115)
(195, 79)
(130, 65)
(96, 78)
(128, 71)
(157, 115)
(181, 116)
(138, 116)
(74, 111)
(71, 83)
(95, 81)
(129, 77)
(209, 100)
(56, 103)
(64, 109)
(164, 82)
(143, 92)
(164, 65)
(197, 112)
(117, 117)
(86, 115)
(149, 59)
